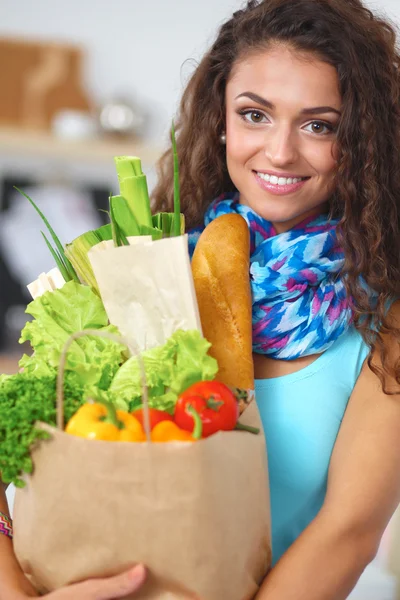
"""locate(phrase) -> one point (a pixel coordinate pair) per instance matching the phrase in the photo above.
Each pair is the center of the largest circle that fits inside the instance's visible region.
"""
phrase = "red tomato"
(213, 401)
(156, 416)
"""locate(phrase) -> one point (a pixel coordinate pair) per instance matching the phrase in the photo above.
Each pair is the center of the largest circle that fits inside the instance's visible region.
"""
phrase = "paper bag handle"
(114, 338)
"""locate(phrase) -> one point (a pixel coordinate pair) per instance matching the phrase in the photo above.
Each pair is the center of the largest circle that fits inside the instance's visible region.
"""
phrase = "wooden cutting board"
(38, 80)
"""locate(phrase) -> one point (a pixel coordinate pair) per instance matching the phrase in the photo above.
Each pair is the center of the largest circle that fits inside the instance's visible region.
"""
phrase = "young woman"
(292, 120)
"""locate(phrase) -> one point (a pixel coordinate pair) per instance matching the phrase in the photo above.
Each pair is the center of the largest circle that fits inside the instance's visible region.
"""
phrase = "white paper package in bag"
(147, 289)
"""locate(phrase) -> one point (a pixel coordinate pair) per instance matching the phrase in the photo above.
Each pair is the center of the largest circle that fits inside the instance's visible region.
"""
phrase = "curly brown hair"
(362, 47)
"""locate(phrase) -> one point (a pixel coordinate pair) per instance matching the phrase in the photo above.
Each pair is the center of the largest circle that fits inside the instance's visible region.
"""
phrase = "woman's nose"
(281, 147)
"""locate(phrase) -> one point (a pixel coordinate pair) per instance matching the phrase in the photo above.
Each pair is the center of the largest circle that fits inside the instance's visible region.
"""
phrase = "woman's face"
(282, 112)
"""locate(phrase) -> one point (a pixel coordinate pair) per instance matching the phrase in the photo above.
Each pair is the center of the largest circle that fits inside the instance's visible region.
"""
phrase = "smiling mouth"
(280, 180)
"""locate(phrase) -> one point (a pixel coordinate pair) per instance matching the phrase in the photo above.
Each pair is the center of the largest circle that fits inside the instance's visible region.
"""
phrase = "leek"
(127, 223)
(182, 224)
(165, 222)
(77, 252)
(156, 234)
(132, 211)
(104, 233)
(133, 187)
(118, 236)
(130, 215)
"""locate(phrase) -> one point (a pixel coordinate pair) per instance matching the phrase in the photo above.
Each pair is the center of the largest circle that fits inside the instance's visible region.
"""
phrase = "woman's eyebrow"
(317, 110)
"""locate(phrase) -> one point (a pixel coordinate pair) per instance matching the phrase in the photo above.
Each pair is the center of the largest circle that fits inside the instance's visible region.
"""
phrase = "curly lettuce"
(25, 400)
(59, 314)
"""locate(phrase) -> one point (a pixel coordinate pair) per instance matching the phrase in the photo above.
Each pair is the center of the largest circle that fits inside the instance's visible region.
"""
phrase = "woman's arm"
(13, 582)
(326, 561)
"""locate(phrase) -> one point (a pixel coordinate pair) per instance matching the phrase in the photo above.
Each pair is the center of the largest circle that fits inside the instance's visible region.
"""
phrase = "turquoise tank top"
(301, 415)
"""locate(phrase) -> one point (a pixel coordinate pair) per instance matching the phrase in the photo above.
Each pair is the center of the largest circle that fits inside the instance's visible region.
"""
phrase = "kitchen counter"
(9, 363)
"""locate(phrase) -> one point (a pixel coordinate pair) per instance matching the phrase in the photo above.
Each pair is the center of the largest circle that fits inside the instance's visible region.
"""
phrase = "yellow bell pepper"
(101, 421)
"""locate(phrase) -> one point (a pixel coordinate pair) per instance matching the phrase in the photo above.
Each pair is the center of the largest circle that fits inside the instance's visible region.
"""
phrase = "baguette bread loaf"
(221, 273)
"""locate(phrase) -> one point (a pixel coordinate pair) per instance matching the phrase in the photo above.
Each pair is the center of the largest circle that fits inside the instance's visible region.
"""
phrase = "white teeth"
(279, 180)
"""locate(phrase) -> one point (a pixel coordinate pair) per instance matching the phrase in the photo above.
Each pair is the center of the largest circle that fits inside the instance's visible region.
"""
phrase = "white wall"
(136, 47)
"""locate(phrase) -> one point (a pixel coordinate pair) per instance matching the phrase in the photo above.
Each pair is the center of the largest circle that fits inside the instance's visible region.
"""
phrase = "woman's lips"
(279, 190)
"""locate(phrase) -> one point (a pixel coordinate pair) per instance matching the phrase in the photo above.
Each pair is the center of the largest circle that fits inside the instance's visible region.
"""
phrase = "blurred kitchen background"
(81, 82)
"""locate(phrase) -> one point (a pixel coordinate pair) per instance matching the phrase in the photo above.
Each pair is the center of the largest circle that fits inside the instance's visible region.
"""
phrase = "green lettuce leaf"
(191, 362)
(170, 369)
(59, 314)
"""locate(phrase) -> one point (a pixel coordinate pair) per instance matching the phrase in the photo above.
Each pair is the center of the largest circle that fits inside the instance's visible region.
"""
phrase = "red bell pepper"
(213, 401)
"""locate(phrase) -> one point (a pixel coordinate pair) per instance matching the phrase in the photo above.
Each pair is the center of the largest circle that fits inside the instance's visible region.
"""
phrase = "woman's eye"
(253, 116)
(320, 128)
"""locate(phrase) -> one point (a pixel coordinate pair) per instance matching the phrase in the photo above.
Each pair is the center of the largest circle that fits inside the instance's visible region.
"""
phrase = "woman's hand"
(106, 588)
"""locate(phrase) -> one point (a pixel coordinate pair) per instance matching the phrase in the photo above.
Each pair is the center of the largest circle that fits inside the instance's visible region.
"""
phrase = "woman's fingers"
(118, 586)
(107, 588)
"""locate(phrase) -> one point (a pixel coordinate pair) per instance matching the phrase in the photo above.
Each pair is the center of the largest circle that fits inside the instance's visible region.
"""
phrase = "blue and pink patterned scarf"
(300, 305)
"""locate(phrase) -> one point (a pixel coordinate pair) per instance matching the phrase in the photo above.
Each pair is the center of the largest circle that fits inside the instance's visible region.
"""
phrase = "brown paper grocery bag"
(196, 514)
